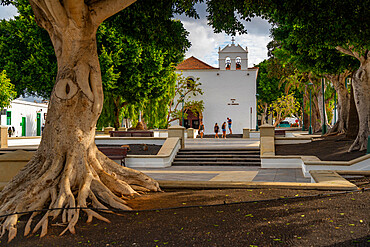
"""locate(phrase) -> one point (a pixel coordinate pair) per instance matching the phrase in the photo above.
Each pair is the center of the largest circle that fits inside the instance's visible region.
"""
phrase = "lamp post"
(182, 110)
(335, 107)
(310, 128)
(303, 111)
(323, 107)
(257, 111)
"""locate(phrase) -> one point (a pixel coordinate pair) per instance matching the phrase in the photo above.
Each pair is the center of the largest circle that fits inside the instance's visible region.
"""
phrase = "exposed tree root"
(359, 144)
(68, 182)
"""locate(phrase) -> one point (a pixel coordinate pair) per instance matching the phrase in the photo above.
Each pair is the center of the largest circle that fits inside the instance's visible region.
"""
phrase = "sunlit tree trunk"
(339, 81)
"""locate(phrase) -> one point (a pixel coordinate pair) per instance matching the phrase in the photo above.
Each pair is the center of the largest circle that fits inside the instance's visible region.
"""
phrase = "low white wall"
(99, 140)
(153, 162)
(281, 163)
(290, 140)
(103, 140)
(163, 159)
(160, 133)
(359, 166)
(307, 164)
(23, 141)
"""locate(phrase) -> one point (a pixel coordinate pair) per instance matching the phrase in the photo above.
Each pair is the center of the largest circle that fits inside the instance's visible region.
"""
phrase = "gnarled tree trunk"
(361, 89)
(322, 108)
(339, 83)
(68, 170)
(352, 120)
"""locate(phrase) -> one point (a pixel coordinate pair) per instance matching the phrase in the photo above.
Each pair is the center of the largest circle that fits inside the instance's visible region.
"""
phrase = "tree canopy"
(27, 53)
(7, 92)
(140, 47)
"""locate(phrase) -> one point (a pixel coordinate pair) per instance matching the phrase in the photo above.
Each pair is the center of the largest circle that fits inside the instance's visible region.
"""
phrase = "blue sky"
(205, 43)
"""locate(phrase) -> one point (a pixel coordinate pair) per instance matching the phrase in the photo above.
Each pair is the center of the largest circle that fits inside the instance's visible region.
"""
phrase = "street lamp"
(335, 107)
(182, 110)
(323, 107)
(303, 111)
(310, 128)
(257, 111)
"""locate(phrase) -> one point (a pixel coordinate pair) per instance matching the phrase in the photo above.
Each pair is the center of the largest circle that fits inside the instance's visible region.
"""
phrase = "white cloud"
(7, 12)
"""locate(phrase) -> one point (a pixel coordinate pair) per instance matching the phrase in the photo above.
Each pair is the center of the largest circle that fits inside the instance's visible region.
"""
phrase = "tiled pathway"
(226, 173)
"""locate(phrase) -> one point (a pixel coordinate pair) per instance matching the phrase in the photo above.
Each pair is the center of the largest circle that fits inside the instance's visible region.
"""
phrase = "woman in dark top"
(201, 130)
(216, 129)
(223, 128)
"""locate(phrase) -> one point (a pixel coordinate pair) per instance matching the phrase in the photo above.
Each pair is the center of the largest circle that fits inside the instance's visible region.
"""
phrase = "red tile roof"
(193, 63)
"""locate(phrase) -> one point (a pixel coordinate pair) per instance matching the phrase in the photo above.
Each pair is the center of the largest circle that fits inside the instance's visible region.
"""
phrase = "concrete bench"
(114, 153)
(131, 133)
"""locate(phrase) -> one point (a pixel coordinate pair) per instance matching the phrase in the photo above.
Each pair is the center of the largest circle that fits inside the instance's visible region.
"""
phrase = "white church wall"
(219, 88)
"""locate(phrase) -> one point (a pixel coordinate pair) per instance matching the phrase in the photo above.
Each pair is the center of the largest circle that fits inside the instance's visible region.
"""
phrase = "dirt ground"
(332, 148)
(229, 217)
(144, 149)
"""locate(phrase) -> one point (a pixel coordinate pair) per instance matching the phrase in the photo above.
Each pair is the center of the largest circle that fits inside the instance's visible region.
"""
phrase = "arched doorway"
(192, 120)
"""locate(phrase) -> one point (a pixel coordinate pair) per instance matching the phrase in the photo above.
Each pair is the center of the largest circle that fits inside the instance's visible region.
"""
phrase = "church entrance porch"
(192, 120)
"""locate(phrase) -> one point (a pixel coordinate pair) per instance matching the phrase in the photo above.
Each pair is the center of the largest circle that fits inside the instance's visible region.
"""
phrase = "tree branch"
(345, 51)
(43, 17)
(351, 52)
(77, 10)
(101, 10)
(57, 12)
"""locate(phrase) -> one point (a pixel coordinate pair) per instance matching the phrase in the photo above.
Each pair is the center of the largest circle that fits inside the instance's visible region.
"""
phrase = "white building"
(27, 118)
(229, 91)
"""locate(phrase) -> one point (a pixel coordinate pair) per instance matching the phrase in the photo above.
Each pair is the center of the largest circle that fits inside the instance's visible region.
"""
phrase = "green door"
(38, 124)
(8, 117)
(23, 126)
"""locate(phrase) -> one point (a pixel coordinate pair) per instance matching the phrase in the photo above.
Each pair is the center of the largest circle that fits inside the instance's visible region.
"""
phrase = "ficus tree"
(268, 87)
(27, 53)
(137, 51)
(323, 61)
(7, 91)
(182, 101)
(141, 46)
(339, 24)
(68, 169)
(284, 107)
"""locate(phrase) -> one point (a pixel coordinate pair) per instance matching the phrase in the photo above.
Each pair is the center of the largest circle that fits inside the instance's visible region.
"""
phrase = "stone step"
(218, 152)
(218, 159)
(216, 149)
(182, 163)
(218, 156)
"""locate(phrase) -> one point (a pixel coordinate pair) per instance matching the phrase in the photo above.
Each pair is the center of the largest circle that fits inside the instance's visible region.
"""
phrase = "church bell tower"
(233, 57)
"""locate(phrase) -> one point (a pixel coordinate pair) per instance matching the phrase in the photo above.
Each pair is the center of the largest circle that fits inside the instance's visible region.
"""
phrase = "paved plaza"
(216, 173)
(225, 173)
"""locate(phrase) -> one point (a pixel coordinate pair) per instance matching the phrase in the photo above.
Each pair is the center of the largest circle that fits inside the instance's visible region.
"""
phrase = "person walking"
(201, 129)
(216, 129)
(223, 128)
(229, 122)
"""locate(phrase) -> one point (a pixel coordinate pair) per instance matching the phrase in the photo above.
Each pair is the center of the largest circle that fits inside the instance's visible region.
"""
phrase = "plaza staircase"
(217, 157)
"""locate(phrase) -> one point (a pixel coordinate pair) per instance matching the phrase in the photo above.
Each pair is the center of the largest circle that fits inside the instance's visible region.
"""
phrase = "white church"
(229, 91)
